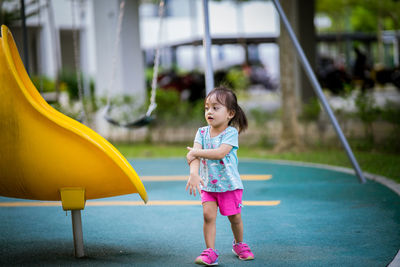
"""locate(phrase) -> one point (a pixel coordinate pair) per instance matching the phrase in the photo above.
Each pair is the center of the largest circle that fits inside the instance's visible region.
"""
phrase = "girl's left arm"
(215, 154)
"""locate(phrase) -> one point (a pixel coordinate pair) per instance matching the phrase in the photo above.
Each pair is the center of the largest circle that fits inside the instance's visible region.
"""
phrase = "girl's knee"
(210, 211)
(209, 217)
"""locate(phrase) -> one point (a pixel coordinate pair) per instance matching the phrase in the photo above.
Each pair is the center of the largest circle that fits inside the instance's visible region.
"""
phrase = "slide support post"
(78, 233)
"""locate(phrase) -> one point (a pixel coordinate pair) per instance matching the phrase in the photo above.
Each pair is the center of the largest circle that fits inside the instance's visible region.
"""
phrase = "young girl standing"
(215, 153)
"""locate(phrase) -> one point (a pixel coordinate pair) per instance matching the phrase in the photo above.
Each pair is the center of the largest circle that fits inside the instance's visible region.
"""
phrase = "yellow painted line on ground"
(245, 177)
(173, 203)
(132, 203)
(262, 203)
(251, 177)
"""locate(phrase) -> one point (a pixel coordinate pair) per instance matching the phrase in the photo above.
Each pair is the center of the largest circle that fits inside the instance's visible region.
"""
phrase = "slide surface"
(42, 150)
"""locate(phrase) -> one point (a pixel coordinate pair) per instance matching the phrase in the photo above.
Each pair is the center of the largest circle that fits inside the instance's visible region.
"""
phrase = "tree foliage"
(360, 15)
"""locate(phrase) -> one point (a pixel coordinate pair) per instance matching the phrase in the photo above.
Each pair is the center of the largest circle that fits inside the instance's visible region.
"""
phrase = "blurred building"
(233, 24)
(242, 32)
(53, 23)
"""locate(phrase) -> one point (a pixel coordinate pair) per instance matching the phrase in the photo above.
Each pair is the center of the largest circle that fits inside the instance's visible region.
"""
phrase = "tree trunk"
(290, 134)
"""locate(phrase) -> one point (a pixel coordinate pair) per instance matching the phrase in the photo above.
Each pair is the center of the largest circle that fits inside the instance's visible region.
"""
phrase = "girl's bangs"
(220, 96)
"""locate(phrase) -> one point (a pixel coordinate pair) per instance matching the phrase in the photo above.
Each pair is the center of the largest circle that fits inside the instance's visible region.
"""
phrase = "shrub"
(391, 114)
(237, 79)
(367, 112)
(124, 108)
(171, 110)
(43, 84)
(69, 79)
(311, 111)
(261, 117)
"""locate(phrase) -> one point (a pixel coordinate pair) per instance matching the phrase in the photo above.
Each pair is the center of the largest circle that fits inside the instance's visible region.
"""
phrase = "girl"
(215, 153)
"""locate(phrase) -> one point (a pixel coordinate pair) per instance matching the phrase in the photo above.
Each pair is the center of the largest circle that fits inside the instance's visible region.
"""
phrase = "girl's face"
(216, 114)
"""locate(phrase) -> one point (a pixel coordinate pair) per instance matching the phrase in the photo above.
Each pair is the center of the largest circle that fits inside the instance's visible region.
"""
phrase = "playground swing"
(148, 117)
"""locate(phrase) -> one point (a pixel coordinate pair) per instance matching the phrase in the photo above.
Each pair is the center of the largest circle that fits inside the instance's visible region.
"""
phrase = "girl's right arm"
(194, 180)
(215, 154)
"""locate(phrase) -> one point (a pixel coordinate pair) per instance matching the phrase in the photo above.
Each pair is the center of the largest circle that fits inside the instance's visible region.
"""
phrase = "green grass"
(380, 163)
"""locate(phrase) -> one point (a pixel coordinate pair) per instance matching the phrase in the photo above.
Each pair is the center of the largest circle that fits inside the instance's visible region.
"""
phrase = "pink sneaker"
(208, 257)
(243, 251)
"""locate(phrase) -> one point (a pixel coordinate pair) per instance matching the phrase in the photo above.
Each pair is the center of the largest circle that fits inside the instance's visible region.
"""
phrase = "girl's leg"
(210, 209)
(237, 227)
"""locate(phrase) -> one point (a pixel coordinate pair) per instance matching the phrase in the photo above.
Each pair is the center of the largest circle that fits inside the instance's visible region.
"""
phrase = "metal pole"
(77, 231)
(207, 49)
(24, 36)
(318, 90)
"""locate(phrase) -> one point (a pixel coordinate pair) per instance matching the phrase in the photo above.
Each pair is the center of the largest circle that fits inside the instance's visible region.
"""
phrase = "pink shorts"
(229, 202)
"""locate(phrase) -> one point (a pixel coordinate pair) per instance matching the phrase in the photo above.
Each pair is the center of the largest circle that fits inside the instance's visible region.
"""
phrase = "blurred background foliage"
(361, 15)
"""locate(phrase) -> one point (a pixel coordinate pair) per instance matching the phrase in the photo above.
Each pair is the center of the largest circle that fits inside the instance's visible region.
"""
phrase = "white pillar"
(131, 54)
(49, 45)
(129, 74)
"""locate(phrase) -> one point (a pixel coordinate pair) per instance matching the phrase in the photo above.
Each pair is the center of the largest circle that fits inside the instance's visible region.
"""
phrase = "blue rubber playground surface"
(293, 216)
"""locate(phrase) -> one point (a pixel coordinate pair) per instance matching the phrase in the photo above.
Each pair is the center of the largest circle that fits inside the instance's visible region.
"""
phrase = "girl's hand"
(190, 155)
(194, 183)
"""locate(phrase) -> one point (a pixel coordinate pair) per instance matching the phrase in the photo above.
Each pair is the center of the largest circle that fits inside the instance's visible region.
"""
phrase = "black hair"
(227, 97)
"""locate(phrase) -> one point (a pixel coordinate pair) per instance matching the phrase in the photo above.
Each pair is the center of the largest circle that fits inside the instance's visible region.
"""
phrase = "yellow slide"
(43, 152)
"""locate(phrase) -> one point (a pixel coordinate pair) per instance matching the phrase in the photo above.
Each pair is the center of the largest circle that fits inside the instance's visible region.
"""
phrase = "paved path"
(296, 216)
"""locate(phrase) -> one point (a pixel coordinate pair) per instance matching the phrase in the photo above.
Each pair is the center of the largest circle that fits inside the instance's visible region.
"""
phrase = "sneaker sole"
(199, 261)
(246, 259)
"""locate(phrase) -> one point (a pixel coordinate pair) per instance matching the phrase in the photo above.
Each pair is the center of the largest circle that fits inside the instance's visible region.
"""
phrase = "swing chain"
(153, 103)
(77, 60)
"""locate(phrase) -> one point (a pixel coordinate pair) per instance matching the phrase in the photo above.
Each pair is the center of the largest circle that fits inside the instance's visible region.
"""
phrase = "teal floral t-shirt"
(219, 175)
